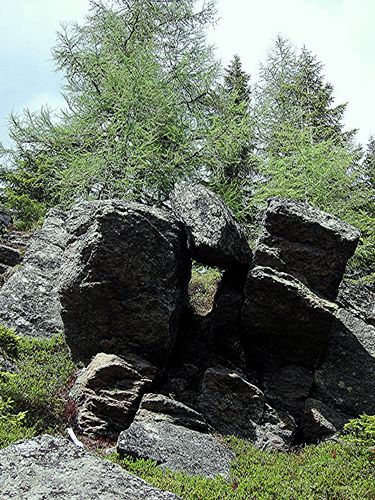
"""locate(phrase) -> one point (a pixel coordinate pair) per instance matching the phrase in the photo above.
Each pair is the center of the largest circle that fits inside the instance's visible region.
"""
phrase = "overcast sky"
(339, 32)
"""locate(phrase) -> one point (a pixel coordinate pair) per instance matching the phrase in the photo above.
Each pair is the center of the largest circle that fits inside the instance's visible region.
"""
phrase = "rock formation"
(275, 361)
(107, 393)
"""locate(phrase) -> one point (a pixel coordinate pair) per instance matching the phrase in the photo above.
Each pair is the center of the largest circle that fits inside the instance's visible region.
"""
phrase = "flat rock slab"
(29, 301)
(176, 448)
(307, 243)
(49, 467)
(216, 239)
(124, 282)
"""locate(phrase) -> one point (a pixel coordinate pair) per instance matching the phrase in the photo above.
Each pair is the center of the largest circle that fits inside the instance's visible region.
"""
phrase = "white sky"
(340, 32)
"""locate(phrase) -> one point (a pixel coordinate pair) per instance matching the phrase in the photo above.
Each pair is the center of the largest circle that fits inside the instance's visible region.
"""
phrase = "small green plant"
(12, 424)
(9, 343)
(202, 288)
(43, 367)
(361, 430)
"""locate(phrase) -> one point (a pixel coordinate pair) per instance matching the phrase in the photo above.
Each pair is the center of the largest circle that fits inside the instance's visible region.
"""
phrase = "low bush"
(31, 395)
(361, 430)
(330, 470)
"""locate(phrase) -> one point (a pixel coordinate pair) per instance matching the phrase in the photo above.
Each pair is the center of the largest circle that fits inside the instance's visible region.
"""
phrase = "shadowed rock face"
(49, 467)
(285, 329)
(233, 406)
(345, 379)
(319, 421)
(215, 238)
(124, 280)
(29, 301)
(307, 243)
(283, 322)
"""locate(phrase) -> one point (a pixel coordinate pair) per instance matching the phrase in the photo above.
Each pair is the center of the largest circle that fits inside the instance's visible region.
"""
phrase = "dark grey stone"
(307, 243)
(230, 403)
(9, 256)
(28, 299)
(276, 431)
(283, 322)
(124, 280)
(161, 408)
(346, 378)
(225, 318)
(320, 422)
(176, 447)
(358, 298)
(288, 387)
(51, 467)
(108, 391)
(6, 219)
(216, 239)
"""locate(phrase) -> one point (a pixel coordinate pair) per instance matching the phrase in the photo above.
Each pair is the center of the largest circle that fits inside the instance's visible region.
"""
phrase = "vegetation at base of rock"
(202, 288)
(12, 424)
(31, 396)
(361, 431)
(328, 470)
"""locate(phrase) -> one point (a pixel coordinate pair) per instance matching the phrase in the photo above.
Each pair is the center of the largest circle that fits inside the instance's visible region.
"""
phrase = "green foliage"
(329, 470)
(202, 288)
(9, 343)
(138, 80)
(361, 430)
(12, 424)
(42, 370)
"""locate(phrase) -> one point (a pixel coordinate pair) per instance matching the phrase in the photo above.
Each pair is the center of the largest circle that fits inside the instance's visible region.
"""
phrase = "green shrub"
(9, 343)
(12, 425)
(327, 471)
(361, 430)
(43, 368)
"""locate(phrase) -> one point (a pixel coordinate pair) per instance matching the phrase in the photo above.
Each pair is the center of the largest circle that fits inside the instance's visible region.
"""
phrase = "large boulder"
(307, 243)
(174, 445)
(216, 239)
(283, 322)
(49, 467)
(124, 280)
(345, 379)
(29, 301)
(108, 391)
